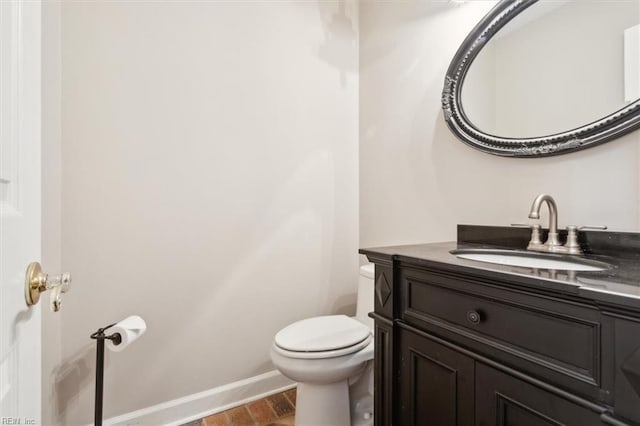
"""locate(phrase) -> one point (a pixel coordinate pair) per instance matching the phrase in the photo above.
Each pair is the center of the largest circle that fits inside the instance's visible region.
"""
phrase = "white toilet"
(331, 358)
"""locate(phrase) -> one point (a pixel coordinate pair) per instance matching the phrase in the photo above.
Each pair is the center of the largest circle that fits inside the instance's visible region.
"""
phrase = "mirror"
(539, 78)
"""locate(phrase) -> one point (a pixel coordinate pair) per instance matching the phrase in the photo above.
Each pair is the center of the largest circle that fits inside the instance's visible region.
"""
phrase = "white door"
(20, 344)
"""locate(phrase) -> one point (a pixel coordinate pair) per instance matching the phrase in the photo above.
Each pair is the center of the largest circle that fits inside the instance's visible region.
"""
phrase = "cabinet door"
(435, 383)
(503, 400)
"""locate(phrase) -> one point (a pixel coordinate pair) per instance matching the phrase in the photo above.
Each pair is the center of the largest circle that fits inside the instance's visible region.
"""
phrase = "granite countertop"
(618, 285)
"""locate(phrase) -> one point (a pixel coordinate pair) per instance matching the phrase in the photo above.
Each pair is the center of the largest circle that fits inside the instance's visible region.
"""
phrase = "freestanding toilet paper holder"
(100, 337)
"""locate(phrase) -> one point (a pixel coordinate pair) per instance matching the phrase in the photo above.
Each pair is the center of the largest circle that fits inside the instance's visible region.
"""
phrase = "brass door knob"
(37, 282)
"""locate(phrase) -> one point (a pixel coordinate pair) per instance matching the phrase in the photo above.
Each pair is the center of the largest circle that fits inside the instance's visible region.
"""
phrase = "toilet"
(331, 358)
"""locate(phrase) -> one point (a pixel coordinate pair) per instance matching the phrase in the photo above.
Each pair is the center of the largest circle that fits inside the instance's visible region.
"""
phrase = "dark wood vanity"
(460, 342)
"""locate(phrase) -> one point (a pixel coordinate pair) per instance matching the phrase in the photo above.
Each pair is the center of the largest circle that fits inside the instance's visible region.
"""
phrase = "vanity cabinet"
(453, 348)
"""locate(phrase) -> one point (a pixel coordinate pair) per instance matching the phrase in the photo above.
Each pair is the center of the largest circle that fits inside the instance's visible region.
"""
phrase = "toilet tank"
(365, 295)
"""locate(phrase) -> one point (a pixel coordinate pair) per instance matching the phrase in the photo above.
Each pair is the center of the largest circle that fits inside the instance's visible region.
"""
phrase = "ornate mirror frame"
(603, 130)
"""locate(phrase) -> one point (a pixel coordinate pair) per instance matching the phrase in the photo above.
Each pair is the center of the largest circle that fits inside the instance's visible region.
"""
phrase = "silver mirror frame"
(610, 127)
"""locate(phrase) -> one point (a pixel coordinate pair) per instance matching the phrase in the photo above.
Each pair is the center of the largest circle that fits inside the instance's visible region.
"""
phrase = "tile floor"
(274, 410)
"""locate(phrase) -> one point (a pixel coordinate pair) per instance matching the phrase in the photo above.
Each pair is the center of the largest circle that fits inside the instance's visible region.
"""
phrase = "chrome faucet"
(553, 242)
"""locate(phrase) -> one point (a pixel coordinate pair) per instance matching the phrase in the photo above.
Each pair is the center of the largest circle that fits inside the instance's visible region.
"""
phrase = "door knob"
(37, 282)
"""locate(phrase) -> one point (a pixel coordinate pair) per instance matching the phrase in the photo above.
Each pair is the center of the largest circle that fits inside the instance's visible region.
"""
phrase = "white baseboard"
(202, 404)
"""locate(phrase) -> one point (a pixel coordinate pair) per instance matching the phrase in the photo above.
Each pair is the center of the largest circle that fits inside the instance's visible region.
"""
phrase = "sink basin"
(534, 260)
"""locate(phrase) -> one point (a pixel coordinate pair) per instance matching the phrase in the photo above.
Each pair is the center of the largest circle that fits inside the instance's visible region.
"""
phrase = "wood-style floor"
(274, 410)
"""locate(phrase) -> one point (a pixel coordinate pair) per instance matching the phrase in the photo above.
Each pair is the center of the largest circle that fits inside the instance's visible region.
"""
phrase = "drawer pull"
(474, 317)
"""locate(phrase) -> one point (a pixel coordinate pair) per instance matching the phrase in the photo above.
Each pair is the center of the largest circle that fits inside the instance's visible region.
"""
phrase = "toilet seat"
(323, 354)
(322, 337)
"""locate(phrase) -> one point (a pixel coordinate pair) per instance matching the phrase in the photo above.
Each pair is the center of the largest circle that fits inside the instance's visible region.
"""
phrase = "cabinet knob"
(474, 317)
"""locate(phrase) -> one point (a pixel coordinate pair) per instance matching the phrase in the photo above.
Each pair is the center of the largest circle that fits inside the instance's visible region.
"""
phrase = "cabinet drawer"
(548, 333)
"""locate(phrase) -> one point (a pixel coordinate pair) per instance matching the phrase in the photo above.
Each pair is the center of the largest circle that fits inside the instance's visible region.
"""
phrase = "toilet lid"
(326, 333)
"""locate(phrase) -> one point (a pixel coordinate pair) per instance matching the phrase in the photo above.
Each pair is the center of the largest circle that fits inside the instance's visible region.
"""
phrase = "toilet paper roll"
(129, 329)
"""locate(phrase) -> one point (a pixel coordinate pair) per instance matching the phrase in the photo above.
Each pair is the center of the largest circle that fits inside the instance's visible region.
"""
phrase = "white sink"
(530, 260)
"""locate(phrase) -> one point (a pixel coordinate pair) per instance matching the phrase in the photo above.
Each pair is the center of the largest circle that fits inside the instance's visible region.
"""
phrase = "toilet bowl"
(331, 358)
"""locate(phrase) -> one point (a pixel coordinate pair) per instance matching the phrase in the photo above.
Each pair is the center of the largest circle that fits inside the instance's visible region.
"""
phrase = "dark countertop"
(619, 285)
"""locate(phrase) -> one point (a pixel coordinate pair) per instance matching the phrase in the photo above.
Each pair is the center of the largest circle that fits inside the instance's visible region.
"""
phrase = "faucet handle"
(535, 234)
(572, 240)
(535, 243)
(572, 237)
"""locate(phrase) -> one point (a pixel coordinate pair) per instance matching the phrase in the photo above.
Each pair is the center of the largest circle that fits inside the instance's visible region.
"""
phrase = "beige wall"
(209, 184)
(417, 181)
